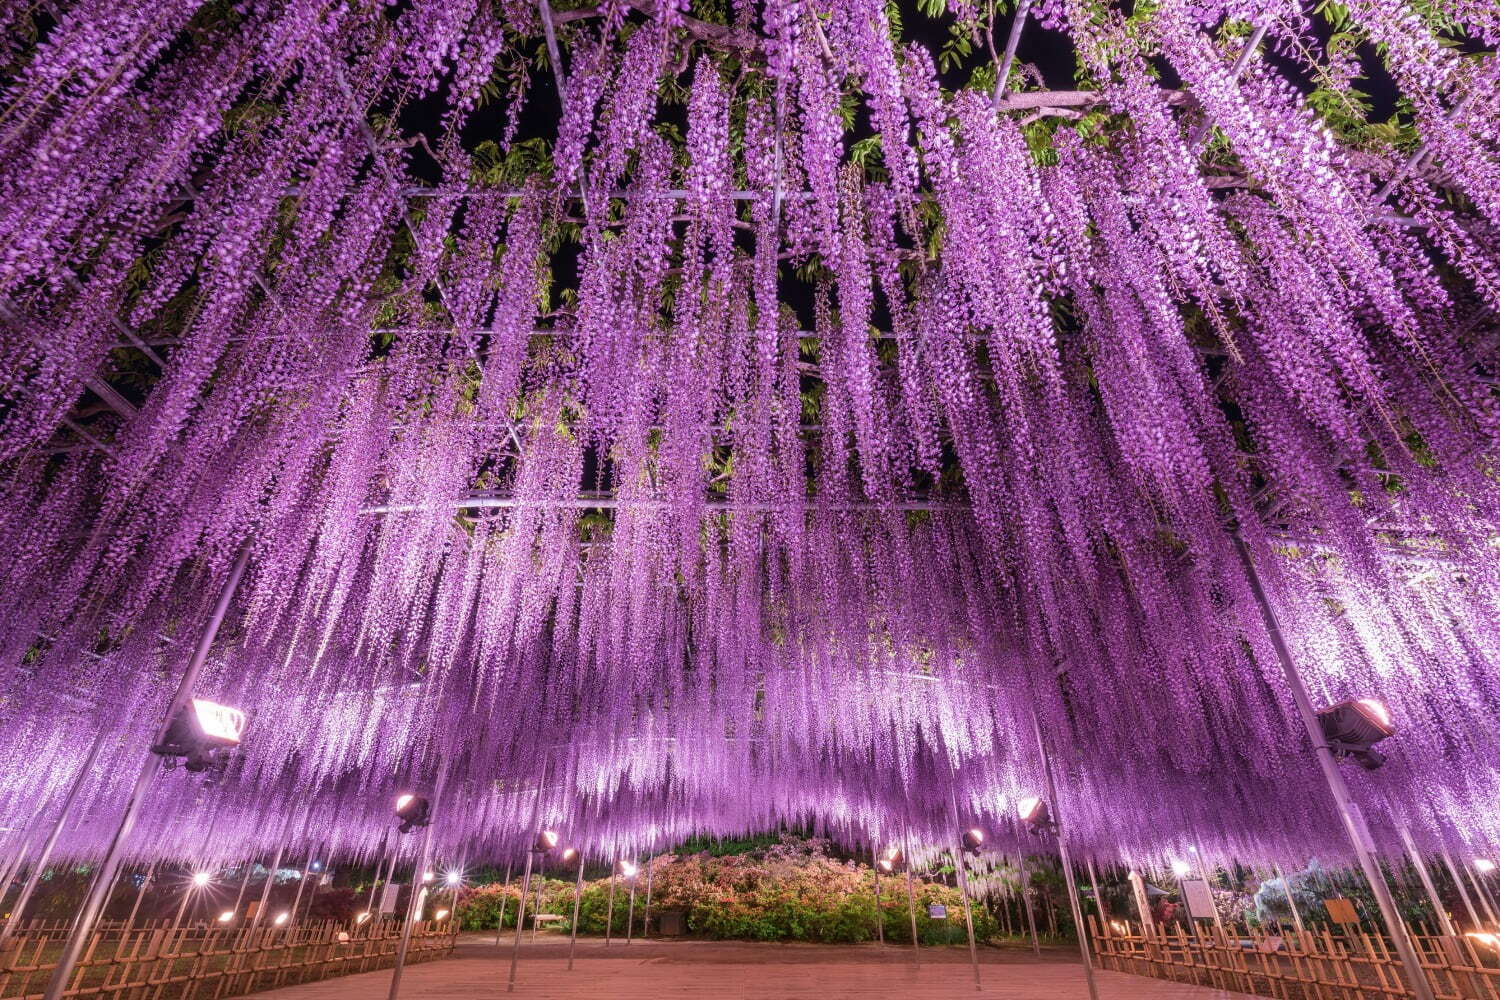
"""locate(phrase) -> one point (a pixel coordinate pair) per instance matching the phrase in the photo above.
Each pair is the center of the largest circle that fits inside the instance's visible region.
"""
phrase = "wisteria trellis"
(765, 440)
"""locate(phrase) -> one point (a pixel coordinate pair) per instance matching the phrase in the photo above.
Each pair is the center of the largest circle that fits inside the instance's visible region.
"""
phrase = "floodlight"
(413, 811)
(200, 879)
(973, 839)
(226, 916)
(1353, 727)
(885, 865)
(546, 840)
(362, 917)
(1036, 815)
(200, 732)
(316, 865)
(1484, 865)
(281, 918)
(893, 855)
(428, 876)
(1181, 868)
(343, 937)
(1483, 937)
(454, 877)
(626, 869)
(440, 915)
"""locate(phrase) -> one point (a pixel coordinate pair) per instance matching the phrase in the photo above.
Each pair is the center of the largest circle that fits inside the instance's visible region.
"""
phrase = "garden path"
(736, 970)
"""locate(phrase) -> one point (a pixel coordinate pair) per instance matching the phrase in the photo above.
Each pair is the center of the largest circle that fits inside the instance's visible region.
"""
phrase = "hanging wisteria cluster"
(735, 415)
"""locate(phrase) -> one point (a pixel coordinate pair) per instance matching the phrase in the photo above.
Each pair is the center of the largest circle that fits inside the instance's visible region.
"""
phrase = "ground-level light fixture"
(546, 840)
(1035, 814)
(428, 876)
(570, 856)
(973, 839)
(281, 918)
(413, 811)
(454, 878)
(343, 937)
(1485, 938)
(200, 732)
(1484, 865)
(1181, 869)
(440, 915)
(226, 916)
(1352, 728)
(627, 869)
(200, 879)
(362, 917)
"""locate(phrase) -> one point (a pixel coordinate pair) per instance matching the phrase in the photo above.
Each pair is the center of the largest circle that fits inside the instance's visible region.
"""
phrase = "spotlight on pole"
(627, 870)
(200, 879)
(362, 917)
(454, 878)
(201, 733)
(413, 811)
(428, 876)
(1484, 865)
(1353, 727)
(440, 915)
(546, 840)
(1036, 815)
(281, 918)
(1485, 938)
(1181, 869)
(569, 857)
(226, 916)
(973, 840)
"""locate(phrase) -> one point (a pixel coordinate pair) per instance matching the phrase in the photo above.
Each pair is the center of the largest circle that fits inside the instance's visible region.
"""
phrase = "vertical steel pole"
(879, 917)
(375, 887)
(1098, 892)
(140, 895)
(1445, 923)
(1339, 791)
(1291, 901)
(1036, 942)
(630, 913)
(301, 885)
(577, 902)
(265, 892)
(535, 832)
(1484, 892)
(963, 888)
(104, 877)
(911, 905)
(504, 899)
(1067, 863)
(413, 905)
(1463, 891)
(536, 908)
(609, 917)
(45, 855)
(646, 920)
(239, 898)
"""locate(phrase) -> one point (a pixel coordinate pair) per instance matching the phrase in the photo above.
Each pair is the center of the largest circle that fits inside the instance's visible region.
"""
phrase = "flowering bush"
(791, 891)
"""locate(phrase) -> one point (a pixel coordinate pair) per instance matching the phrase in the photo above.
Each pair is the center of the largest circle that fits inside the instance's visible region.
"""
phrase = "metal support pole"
(1291, 900)
(1445, 923)
(424, 857)
(646, 919)
(19, 906)
(187, 897)
(500, 924)
(911, 905)
(1484, 893)
(301, 885)
(609, 917)
(1463, 890)
(244, 885)
(375, 887)
(104, 878)
(1098, 892)
(1067, 863)
(963, 888)
(515, 951)
(534, 832)
(140, 895)
(577, 902)
(265, 892)
(630, 913)
(1337, 789)
(1036, 942)
(879, 916)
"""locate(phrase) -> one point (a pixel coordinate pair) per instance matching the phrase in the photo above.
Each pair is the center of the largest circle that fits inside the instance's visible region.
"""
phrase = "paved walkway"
(733, 970)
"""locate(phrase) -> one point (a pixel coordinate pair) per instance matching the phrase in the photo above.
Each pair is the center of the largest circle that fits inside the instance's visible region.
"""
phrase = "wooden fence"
(1311, 965)
(206, 963)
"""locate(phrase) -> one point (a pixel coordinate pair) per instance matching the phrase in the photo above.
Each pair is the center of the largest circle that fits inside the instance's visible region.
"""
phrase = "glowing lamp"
(428, 876)
(413, 811)
(1181, 868)
(281, 918)
(627, 870)
(1035, 814)
(440, 915)
(973, 839)
(454, 878)
(1353, 727)
(226, 916)
(545, 841)
(343, 937)
(1483, 937)
(362, 917)
(893, 855)
(200, 732)
(1484, 865)
(200, 879)
(885, 865)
